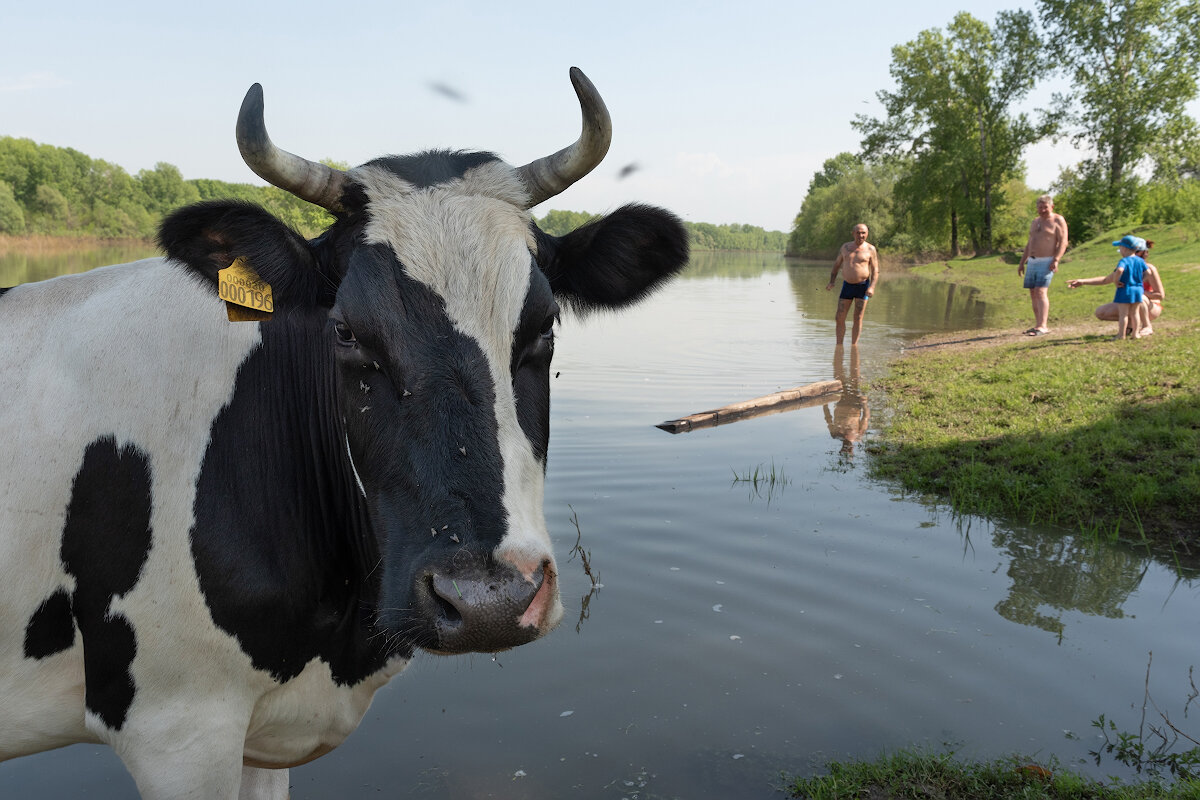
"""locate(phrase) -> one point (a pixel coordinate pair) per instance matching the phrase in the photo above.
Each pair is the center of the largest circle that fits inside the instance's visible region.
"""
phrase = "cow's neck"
(283, 544)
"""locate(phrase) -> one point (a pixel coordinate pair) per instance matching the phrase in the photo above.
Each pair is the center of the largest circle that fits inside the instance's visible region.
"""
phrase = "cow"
(243, 484)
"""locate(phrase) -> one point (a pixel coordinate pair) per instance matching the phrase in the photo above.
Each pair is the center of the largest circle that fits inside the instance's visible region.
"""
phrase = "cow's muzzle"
(487, 608)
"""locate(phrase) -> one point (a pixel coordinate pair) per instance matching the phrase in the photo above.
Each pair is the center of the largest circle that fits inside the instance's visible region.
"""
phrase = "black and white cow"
(218, 539)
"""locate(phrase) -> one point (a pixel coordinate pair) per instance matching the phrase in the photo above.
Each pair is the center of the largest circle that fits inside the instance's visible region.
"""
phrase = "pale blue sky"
(728, 113)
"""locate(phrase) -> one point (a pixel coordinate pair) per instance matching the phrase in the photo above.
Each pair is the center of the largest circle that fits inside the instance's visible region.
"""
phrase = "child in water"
(1128, 276)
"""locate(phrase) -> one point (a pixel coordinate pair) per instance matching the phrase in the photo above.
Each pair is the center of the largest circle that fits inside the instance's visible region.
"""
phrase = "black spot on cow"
(51, 629)
(105, 542)
(259, 498)
(533, 349)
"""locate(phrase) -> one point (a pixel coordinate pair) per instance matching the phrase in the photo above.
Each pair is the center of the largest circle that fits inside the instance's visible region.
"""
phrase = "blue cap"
(1132, 242)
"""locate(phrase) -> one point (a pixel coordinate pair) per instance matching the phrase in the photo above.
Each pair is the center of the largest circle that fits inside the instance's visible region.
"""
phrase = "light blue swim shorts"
(1037, 273)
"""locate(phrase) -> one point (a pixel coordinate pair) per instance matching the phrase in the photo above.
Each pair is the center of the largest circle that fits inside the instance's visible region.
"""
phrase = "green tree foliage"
(1133, 65)
(701, 235)
(1011, 228)
(705, 236)
(834, 169)
(1090, 203)
(166, 189)
(12, 217)
(59, 191)
(560, 223)
(49, 204)
(859, 193)
(951, 114)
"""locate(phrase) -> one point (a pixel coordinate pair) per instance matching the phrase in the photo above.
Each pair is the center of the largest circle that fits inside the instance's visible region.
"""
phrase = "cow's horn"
(308, 180)
(552, 174)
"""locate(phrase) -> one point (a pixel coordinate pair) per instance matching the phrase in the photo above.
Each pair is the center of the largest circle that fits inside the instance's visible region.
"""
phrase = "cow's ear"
(615, 260)
(209, 236)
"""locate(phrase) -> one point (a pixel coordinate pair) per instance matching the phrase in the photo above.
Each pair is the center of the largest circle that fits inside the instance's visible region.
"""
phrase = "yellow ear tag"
(247, 297)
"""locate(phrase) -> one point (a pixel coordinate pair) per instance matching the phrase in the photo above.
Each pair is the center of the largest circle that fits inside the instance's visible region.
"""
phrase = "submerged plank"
(787, 400)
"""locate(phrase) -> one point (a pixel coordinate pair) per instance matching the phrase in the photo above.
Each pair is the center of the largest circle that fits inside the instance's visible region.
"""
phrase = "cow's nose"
(486, 610)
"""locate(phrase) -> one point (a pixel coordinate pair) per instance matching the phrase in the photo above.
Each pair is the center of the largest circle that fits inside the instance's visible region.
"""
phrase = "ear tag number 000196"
(247, 296)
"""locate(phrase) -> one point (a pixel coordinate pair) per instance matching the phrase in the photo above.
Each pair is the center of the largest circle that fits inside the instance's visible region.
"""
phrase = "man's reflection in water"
(851, 415)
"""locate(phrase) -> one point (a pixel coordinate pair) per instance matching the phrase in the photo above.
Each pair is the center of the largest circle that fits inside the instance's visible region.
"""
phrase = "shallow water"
(746, 630)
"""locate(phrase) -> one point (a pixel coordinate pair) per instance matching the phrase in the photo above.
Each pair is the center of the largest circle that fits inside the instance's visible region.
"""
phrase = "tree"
(12, 218)
(1133, 64)
(951, 113)
(49, 204)
(834, 169)
(166, 189)
(560, 223)
(829, 213)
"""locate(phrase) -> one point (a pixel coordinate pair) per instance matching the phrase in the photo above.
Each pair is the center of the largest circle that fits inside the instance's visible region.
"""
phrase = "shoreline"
(48, 244)
(991, 337)
(1052, 429)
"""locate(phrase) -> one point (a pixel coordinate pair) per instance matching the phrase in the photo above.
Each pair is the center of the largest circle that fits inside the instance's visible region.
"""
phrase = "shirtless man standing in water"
(1046, 245)
(859, 263)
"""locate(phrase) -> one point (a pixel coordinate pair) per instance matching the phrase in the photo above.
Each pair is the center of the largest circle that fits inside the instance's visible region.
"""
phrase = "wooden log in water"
(787, 400)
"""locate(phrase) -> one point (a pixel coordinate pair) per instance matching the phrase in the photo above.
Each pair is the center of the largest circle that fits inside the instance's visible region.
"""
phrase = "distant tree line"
(701, 235)
(59, 191)
(942, 170)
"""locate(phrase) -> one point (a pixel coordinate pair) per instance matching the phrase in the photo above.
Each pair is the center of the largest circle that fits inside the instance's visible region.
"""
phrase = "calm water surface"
(741, 632)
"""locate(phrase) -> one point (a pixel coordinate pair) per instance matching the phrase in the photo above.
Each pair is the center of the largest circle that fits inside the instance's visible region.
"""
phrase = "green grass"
(763, 481)
(1078, 431)
(923, 775)
(1176, 254)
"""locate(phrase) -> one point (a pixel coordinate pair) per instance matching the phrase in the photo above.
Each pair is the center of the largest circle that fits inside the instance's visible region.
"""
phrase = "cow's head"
(438, 298)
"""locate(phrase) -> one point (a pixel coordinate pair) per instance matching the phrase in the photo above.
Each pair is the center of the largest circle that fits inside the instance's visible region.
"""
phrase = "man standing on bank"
(1046, 245)
(859, 263)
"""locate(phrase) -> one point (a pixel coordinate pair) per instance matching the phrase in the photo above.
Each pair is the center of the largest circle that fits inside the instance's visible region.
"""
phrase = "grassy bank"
(1072, 428)
(919, 775)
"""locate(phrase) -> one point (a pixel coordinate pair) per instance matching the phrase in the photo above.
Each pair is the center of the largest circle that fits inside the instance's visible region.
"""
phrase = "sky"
(720, 114)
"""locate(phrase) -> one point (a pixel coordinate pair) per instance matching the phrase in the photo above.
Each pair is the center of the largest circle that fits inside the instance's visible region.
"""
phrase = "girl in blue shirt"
(1128, 276)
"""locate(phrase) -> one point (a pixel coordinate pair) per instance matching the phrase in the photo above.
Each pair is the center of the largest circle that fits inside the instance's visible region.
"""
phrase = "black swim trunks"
(855, 291)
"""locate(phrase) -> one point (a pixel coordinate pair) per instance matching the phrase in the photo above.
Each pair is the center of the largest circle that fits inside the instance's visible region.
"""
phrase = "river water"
(745, 629)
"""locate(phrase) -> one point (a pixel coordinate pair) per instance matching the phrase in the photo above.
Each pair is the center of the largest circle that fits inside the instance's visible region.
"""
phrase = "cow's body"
(218, 538)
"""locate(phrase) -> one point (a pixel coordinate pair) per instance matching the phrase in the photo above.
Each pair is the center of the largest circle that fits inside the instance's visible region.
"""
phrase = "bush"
(12, 218)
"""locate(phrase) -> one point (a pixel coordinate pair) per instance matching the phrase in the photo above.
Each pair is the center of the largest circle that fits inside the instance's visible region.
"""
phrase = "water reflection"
(851, 414)
(714, 264)
(1052, 575)
(37, 263)
(902, 301)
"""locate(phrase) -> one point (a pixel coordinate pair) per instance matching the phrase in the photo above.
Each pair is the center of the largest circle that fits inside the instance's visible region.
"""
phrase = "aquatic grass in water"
(1159, 747)
(762, 481)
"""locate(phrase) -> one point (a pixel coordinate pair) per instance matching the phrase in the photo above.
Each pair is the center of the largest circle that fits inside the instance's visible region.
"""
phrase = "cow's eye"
(547, 331)
(344, 334)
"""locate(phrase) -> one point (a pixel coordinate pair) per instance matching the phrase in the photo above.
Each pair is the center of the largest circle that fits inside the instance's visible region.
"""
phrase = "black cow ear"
(210, 236)
(618, 259)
